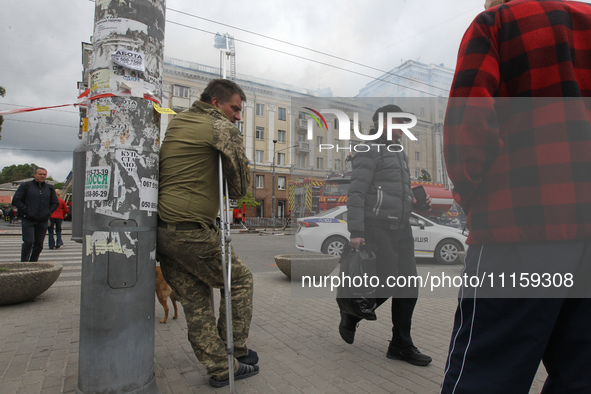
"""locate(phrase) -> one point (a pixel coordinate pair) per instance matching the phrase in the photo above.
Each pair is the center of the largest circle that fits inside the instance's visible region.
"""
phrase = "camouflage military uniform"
(191, 258)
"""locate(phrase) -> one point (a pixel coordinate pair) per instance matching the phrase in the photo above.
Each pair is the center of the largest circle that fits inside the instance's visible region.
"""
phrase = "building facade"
(278, 123)
(421, 89)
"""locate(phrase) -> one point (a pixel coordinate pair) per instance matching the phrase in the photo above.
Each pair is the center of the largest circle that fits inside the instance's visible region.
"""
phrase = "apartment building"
(277, 120)
(421, 89)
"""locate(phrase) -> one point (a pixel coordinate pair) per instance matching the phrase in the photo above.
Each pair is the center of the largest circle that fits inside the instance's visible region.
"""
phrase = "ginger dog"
(163, 291)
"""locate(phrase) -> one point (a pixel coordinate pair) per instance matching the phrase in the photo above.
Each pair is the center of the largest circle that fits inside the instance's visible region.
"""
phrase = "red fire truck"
(335, 189)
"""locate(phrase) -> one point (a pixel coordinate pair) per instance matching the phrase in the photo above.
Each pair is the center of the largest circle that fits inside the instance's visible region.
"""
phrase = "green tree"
(17, 172)
(248, 201)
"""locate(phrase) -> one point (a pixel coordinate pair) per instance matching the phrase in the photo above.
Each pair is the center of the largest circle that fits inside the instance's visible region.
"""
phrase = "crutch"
(227, 270)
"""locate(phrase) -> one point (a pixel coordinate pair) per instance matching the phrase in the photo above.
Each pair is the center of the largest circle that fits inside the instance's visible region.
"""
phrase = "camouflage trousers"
(191, 264)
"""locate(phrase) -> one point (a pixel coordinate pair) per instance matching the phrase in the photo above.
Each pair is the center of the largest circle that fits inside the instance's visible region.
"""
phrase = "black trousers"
(394, 251)
(498, 343)
(33, 237)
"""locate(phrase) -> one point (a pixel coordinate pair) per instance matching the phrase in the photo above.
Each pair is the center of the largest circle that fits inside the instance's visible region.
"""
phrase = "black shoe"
(244, 371)
(252, 358)
(409, 354)
(57, 246)
(347, 327)
(51, 248)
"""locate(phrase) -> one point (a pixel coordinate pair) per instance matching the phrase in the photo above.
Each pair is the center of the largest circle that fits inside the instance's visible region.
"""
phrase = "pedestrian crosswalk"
(69, 255)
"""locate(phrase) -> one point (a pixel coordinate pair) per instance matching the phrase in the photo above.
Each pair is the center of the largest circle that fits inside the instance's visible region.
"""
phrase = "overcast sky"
(40, 53)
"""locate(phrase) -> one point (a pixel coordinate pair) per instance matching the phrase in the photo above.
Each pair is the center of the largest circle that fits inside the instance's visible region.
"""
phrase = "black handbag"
(354, 295)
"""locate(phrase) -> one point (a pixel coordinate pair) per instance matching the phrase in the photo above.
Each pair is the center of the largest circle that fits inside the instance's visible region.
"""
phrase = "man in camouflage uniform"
(189, 245)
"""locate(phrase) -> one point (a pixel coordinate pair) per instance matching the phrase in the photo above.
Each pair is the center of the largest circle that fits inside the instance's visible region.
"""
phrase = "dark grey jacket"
(35, 201)
(380, 193)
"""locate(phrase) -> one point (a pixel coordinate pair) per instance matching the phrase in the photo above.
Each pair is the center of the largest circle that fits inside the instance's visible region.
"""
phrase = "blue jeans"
(33, 237)
(57, 224)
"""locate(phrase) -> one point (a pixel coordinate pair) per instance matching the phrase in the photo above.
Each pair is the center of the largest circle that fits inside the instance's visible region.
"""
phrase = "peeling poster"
(149, 195)
(127, 159)
(97, 183)
(129, 59)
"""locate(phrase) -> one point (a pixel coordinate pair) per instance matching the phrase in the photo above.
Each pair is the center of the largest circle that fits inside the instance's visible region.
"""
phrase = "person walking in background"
(35, 200)
(379, 205)
(55, 222)
(521, 168)
(11, 215)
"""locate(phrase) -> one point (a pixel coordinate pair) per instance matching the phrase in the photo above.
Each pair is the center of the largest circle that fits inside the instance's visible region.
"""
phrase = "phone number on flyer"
(96, 193)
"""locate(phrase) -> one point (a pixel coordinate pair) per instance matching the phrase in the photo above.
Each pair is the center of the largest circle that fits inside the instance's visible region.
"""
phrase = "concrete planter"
(296, 265)
(21, 282)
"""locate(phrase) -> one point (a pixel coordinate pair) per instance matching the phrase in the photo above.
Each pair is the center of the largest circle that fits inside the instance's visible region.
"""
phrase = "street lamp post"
(273, 199)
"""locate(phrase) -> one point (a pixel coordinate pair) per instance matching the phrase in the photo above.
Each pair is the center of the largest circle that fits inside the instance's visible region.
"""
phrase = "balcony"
(303, 147)
(302, 124)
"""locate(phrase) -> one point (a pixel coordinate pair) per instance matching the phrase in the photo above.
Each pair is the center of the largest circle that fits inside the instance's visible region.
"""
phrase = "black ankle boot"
(347, 327)
(409, 354)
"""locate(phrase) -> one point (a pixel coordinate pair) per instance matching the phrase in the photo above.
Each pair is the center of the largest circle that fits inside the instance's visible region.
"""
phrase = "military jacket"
(188, 184)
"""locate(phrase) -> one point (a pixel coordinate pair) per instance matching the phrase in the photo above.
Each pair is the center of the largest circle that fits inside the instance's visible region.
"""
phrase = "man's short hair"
(39, 168)
(385, 109)
(223, 89)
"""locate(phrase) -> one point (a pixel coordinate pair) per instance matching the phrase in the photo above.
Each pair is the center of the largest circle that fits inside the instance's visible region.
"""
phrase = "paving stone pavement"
(297, 340)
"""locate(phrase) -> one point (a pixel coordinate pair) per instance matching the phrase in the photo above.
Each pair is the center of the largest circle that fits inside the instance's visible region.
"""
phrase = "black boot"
(409, 354)
(347, 327)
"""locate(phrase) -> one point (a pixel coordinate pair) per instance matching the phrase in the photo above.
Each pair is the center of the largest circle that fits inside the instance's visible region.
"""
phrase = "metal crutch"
(226, 270)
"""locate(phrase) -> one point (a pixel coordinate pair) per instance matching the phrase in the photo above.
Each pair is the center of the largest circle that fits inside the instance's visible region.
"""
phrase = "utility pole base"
(149, 388)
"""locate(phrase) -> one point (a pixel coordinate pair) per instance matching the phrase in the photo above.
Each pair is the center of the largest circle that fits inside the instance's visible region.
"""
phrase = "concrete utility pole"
(120, 198)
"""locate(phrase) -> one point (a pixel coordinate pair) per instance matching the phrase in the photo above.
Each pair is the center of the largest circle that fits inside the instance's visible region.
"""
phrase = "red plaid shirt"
(521, 167)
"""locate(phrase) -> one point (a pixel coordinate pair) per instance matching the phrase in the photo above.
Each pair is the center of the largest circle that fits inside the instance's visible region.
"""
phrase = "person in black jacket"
(36, 200)
(379, 205)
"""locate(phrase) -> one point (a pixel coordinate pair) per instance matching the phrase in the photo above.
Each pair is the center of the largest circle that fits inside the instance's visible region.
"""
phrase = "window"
(417, 156)
(422, 111)
(281, 114)
(320, 163)
(337, 165)
(280, 209)
(260, 133)
(240, 126)
(301, 161)
(301, 115)
(281, 183)
(319, 140)
(260, 208)
(280, 159)
(260, 109)
(260, 182)
(281, 135)
(180, 91)
(336, 123)
(259, 156)
(417, 173)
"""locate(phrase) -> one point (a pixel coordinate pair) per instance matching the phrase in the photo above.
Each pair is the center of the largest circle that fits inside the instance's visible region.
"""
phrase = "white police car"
(327, 233)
